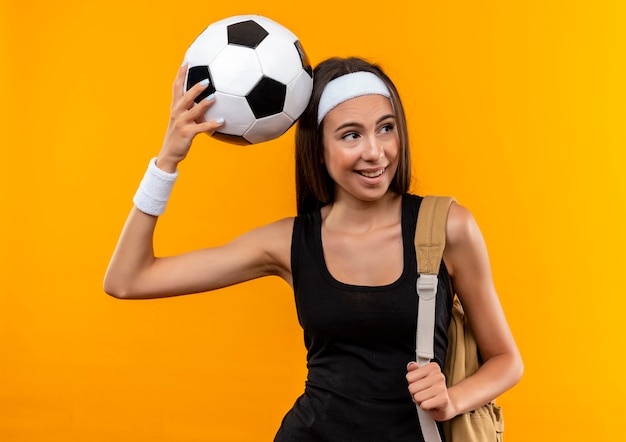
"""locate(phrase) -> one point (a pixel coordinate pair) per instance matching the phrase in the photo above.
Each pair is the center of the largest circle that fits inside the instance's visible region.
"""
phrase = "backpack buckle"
(426, 286)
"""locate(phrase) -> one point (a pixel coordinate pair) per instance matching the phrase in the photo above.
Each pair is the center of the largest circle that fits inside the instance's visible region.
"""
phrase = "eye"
(350, 136)
(387, 128)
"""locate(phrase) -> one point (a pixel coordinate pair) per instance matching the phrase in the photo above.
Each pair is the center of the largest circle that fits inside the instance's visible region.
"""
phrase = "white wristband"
(154, 190)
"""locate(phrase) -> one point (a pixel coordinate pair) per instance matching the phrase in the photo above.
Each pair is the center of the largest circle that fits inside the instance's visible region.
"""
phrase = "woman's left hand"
(427, 385)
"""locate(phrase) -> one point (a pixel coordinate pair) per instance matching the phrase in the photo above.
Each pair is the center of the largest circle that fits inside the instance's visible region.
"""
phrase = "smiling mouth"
(372, 174)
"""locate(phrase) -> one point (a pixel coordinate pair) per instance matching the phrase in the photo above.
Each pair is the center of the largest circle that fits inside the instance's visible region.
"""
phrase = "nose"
(373, 150)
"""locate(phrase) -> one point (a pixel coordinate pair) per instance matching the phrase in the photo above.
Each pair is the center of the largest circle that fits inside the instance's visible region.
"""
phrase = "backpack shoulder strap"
(430, 241)
(430, 233)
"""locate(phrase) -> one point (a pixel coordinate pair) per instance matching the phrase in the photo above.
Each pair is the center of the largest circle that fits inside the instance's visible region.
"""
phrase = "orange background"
(516, 108)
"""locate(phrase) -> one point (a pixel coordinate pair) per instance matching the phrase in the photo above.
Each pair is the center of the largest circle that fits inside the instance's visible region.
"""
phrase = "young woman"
(350, 258)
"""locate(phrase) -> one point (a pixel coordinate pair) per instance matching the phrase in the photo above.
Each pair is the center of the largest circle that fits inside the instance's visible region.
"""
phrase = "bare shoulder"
(460, 225)
(464, 240)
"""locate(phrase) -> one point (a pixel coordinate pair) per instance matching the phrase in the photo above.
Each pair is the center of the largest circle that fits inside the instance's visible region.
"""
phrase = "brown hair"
(314, 186)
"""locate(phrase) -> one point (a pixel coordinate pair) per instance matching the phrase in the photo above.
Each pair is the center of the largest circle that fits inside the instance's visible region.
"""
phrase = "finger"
(188, 99)
(179, 81)
(411, 366)
(436, 402)
(197, 111)
(433, 382)
(428, 387)
(415, 372)
(433, 398)
(419, 389)
(210, 126)
(421, 393)
(424, 377)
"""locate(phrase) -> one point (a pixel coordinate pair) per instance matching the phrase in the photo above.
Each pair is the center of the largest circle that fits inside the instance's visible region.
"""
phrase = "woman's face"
(361, 147)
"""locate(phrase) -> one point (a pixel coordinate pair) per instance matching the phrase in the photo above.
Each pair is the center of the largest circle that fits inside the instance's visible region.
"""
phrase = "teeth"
(379, 172)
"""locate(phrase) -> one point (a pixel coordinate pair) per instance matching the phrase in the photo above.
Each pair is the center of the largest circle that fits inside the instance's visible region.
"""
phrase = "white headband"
(348, 86)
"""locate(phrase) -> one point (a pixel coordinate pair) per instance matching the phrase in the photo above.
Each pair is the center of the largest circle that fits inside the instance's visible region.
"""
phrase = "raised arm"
(135, 272)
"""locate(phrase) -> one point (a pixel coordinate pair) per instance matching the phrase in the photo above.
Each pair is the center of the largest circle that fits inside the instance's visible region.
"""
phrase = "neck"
(363, 216)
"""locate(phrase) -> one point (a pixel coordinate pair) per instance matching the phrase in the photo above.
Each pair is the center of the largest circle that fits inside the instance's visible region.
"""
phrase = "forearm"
(494, 377)
(130, 274)
(134, 253)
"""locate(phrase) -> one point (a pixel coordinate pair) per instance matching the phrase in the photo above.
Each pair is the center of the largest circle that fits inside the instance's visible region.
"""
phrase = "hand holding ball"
(259, 73)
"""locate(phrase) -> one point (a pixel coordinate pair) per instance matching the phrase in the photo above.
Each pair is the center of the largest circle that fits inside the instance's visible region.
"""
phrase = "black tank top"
(359, 340)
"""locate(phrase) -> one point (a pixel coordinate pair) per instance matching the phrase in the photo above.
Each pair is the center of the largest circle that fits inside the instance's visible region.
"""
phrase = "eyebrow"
(353, 124)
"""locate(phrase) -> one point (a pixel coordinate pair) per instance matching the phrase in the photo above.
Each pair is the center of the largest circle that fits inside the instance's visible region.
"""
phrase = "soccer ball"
(259, 73)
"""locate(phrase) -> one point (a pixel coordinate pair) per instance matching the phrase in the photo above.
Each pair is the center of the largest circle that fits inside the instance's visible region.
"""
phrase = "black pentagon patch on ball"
(246, 33)
(306, 64)
(267, 97)
(195, 75)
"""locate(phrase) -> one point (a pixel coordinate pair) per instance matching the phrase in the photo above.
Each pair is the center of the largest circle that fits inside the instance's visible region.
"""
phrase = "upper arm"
(468, 263)
(260, 252)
